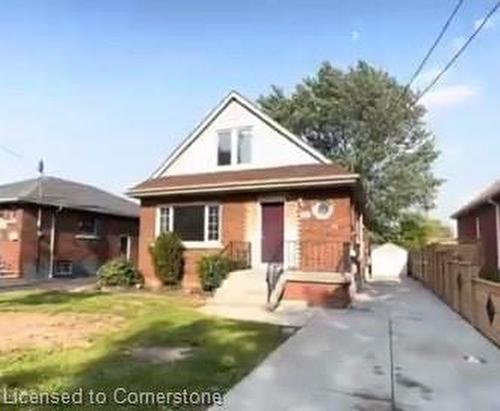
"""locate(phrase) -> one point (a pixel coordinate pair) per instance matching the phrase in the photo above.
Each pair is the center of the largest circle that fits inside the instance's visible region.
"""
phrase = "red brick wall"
(234, 219)
(232, 229)
(146, 238)
(318, 294)
(321, 240)
(86, 255)
(10, 248)
(235, 223)
(466, 228)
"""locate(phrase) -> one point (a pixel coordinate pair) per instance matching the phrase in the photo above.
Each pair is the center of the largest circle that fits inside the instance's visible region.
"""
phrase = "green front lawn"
(223, 351)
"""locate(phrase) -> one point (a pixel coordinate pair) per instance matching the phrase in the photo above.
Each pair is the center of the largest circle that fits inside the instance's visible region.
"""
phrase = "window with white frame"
(88, 226)
(191, 222)
(213, 223)
(244, 145)
(234, 146)
(164, 219)
(224, 148)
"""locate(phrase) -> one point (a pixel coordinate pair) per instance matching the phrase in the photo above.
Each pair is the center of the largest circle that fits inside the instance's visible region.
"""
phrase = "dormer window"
(224, 151)
(234, 146)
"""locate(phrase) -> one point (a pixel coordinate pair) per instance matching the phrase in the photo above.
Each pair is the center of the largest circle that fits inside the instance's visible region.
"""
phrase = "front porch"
(311, 274)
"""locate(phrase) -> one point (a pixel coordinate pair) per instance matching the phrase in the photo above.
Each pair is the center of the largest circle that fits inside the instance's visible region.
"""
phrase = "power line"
(434, 45)
(429, 53)
(459, 52)
(26, 163)
(10, 151)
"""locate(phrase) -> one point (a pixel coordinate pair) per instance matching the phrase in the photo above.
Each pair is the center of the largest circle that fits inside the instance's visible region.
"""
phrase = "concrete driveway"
(400, 348)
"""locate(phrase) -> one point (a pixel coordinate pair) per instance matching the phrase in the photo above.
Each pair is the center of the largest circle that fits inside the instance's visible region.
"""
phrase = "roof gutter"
(249, 186)
(10, 200)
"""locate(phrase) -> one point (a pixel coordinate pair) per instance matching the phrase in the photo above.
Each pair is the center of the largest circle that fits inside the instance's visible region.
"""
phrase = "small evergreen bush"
(166, 254)
(212, 270)
(119, 272)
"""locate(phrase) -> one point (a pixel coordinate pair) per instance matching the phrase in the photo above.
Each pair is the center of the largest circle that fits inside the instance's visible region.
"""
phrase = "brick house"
(243, 185)
(479, 220)
(51, 227)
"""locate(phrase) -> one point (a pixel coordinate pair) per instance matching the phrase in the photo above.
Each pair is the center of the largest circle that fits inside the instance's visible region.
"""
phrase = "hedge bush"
(212, 270)
(119, 272)
(166, 253)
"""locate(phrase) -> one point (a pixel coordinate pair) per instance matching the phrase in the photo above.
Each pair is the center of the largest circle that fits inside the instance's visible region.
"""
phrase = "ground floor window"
(191, 222)
(125, 246)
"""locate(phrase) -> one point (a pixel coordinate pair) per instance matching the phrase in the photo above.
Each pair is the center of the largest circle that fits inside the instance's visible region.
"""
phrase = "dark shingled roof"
(225, 178)
(53, 191)
(493, 191)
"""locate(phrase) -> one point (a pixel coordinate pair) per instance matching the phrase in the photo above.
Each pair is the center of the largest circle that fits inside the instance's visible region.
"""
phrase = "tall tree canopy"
(363, 119)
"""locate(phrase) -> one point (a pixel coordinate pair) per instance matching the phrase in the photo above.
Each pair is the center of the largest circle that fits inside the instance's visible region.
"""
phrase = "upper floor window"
(224, 150)
(244, 146)
(234, 146)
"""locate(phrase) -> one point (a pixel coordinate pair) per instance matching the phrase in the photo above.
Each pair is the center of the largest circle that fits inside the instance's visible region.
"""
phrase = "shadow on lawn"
(48, 297)
(223, 353)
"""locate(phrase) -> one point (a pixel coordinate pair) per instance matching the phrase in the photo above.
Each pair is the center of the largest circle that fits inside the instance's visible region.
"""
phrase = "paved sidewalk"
(400, 348)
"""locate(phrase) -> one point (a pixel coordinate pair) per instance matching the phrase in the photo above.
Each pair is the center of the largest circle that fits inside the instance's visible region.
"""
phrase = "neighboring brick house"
(479, 220)
(52, 227)
(243, 185)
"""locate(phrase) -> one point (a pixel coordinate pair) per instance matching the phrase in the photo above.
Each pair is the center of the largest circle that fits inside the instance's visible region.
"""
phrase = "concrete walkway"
(400, 348)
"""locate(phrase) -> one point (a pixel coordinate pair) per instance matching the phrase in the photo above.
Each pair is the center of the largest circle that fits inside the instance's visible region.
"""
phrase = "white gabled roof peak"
(234, 95)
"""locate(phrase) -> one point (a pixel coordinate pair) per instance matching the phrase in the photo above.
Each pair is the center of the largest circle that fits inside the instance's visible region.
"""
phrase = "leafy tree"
(416, 230)
(363, 119)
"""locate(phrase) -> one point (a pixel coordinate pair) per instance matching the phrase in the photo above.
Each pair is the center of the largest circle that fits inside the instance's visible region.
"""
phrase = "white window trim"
(231, 144)
(478, 228)
(237, 141)
(94, 235)
(234, 133)
(206, 243)
(129, 245)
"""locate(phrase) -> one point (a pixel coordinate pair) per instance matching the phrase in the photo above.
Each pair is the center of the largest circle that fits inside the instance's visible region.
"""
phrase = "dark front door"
(272, 232)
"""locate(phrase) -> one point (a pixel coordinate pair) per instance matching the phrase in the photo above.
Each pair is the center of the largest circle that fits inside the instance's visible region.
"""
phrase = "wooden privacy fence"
(452, 273)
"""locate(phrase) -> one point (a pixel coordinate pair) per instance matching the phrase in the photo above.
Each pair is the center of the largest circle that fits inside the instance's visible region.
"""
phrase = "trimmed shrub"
(212, 270)
(119, 272)
(166, 253)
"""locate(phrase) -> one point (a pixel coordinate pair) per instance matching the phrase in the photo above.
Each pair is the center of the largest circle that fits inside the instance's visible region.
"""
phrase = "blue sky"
(102, 90)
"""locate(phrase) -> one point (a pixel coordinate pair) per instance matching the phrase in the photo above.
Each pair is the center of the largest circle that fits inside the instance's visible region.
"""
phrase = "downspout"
(39, 232)
(52, 243)
(497, 223)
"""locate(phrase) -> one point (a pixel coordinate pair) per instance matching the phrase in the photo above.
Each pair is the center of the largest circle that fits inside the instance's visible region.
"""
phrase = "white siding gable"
(271, 145)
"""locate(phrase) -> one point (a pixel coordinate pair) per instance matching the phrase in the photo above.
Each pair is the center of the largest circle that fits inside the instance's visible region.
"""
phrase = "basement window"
(193, 223)
(64, 268)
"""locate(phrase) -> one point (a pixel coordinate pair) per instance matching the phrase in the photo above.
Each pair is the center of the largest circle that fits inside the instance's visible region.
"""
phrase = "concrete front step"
(294, 318)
